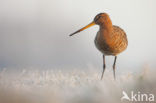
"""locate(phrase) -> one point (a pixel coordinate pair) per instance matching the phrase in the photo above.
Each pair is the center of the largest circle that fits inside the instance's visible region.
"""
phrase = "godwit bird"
(110, 39)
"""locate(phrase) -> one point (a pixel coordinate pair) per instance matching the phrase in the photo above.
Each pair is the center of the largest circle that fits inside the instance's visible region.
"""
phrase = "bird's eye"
(97, 18)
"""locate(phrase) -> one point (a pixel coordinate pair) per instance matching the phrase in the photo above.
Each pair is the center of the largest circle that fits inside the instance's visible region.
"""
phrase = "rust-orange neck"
(106, 25)
(106, 29)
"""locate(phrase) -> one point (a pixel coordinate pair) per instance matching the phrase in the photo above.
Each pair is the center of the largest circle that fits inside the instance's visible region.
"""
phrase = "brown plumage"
(110, 39)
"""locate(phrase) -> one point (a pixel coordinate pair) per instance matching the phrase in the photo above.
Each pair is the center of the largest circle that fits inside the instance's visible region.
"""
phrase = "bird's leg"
(104, 66)
(114, 66)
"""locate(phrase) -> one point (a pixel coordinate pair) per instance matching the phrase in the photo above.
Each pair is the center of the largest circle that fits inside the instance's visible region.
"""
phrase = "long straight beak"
(89, 25)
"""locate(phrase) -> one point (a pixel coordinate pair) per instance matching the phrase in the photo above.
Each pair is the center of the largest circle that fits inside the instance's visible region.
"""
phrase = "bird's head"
(100, 19)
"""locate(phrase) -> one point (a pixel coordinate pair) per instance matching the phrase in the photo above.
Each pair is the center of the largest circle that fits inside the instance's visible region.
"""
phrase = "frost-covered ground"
(71, 86)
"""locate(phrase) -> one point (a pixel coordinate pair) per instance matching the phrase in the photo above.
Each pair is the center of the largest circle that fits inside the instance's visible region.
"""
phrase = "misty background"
(36, 33)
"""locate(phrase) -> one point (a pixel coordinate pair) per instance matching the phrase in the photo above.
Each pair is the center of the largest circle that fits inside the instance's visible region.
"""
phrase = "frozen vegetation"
(72, 86)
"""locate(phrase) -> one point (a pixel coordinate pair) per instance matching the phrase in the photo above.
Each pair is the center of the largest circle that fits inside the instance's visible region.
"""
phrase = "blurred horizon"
(36, 33)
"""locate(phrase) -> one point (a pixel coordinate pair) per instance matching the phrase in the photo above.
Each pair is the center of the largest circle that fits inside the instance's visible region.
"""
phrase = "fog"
(36, 32)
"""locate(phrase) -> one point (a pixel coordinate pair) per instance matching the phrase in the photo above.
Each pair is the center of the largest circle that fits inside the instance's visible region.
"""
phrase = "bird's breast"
(101, 44)
(111, 43)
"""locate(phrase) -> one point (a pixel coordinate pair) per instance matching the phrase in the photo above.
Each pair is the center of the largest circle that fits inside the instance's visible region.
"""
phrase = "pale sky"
(35, 32)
